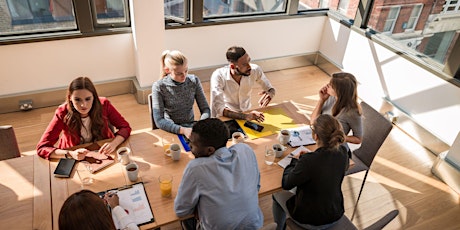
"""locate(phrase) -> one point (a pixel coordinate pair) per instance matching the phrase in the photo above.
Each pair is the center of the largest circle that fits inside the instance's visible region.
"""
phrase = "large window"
(111, 12)
(179, 10)
(427, 29)
(213, 8)
(347, 8)
(29, 17)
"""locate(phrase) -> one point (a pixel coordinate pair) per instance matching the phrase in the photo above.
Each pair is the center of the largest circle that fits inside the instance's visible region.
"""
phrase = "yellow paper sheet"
(275, 120)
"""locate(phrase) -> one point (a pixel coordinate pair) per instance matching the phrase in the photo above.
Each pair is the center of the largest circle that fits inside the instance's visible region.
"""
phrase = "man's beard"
(237, 71)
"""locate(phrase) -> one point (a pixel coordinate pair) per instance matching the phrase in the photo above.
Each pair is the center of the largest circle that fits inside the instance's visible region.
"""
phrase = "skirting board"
(446, 172)
(56, 96)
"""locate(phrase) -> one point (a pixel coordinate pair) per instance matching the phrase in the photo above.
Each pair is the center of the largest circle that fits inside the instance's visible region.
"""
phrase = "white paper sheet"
(287, 159)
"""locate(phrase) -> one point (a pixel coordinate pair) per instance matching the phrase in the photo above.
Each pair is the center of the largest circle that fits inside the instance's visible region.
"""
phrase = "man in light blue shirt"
(221, 184)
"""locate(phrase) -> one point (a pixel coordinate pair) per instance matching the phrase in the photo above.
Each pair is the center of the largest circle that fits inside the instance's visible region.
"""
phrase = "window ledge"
(51, 36)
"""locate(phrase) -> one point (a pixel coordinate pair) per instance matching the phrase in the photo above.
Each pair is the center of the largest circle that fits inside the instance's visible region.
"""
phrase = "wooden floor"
(400, 176)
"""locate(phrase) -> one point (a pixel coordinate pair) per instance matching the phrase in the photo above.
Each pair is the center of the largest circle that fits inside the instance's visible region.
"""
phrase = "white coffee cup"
(284, 137)
(279, 149)
(175, 150)
(132, 170)
(123, 155)
(237, 137)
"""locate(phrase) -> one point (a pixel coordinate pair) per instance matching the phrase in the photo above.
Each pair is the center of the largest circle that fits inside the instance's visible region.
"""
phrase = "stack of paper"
(301, 136)
(287, 159)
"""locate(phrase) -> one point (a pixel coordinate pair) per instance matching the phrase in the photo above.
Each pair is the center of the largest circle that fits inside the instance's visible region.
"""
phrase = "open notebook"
(95, 161)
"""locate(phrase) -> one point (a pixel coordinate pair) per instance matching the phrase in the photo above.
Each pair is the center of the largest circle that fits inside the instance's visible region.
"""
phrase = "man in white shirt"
(231, 87)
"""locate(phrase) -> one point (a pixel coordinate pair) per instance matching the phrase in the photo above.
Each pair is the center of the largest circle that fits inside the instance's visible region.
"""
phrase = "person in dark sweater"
(317, 177)
(175, 93)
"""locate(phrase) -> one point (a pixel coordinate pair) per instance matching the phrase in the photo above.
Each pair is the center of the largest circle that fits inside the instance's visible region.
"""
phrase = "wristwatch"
(67, 154)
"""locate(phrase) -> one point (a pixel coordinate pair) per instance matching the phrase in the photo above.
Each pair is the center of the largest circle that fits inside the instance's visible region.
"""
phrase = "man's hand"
(255, 115)
(265, 98)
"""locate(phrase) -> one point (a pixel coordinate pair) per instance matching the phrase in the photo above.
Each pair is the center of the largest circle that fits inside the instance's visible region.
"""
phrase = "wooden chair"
(376, 129)
(154, 126)
(345, 224)
(8, 144)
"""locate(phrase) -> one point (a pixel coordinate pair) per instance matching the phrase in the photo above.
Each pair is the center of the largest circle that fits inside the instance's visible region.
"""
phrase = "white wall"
(46, 65)
(431, 101)
(206, 46)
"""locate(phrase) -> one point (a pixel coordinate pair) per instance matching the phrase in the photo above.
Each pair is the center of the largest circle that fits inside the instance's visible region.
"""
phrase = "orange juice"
(165, 188)
(166, 148)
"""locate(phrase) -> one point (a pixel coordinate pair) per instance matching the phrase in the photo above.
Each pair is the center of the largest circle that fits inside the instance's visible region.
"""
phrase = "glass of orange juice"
(165, 184)
(167, 141)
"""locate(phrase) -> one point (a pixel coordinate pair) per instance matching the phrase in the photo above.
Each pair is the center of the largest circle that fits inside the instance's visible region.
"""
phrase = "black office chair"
(345, 224)
(154, 126)
(376, 129)
(8, 144)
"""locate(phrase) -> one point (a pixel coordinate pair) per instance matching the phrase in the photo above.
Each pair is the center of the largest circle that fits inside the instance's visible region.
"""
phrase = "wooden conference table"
(37, 195)
(25, 193)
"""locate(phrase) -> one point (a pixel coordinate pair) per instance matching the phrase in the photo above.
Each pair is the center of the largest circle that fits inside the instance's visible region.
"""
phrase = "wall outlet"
(25, 105)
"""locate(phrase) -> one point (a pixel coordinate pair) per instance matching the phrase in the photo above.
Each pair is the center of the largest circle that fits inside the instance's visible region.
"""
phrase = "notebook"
(64, 167)
(185, 142)
(287, 159)
(96, 161)
(301, 136)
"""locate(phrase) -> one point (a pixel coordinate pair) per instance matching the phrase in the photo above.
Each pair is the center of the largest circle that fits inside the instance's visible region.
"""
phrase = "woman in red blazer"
(83, 118)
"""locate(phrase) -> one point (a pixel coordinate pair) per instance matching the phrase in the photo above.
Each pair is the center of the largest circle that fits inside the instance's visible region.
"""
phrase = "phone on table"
(253, 126)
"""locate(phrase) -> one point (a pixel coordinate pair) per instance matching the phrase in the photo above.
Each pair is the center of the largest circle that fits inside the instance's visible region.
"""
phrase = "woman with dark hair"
(339, 98)
(83, 118)
(318, 200)
(86, 210)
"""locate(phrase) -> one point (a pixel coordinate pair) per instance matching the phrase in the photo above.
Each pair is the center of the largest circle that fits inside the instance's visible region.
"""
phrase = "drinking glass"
(84, 173)
(269, 155)
(165, 184)
(167, 141)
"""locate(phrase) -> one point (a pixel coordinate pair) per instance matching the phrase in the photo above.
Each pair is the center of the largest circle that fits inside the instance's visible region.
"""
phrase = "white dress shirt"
(122, 220)
(227, 93)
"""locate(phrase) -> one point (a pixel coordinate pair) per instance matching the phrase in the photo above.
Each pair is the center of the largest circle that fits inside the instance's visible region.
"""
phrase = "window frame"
(448, 4)
(396, 7)
(86, 27)
(416, 18)
(111, 25)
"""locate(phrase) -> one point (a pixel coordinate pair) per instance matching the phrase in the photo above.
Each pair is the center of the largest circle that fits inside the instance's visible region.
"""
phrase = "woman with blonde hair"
(175, 93)
(339, 98)
(318, 199)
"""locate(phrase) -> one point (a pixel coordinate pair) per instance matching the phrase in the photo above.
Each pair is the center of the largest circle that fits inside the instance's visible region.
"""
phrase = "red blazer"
(58, 131)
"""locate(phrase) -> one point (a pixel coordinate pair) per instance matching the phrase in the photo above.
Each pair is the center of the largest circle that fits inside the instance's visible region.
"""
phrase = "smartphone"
(254, 126)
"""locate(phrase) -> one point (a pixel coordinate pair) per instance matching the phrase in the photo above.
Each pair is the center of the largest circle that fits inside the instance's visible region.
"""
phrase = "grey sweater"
(172, 103)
